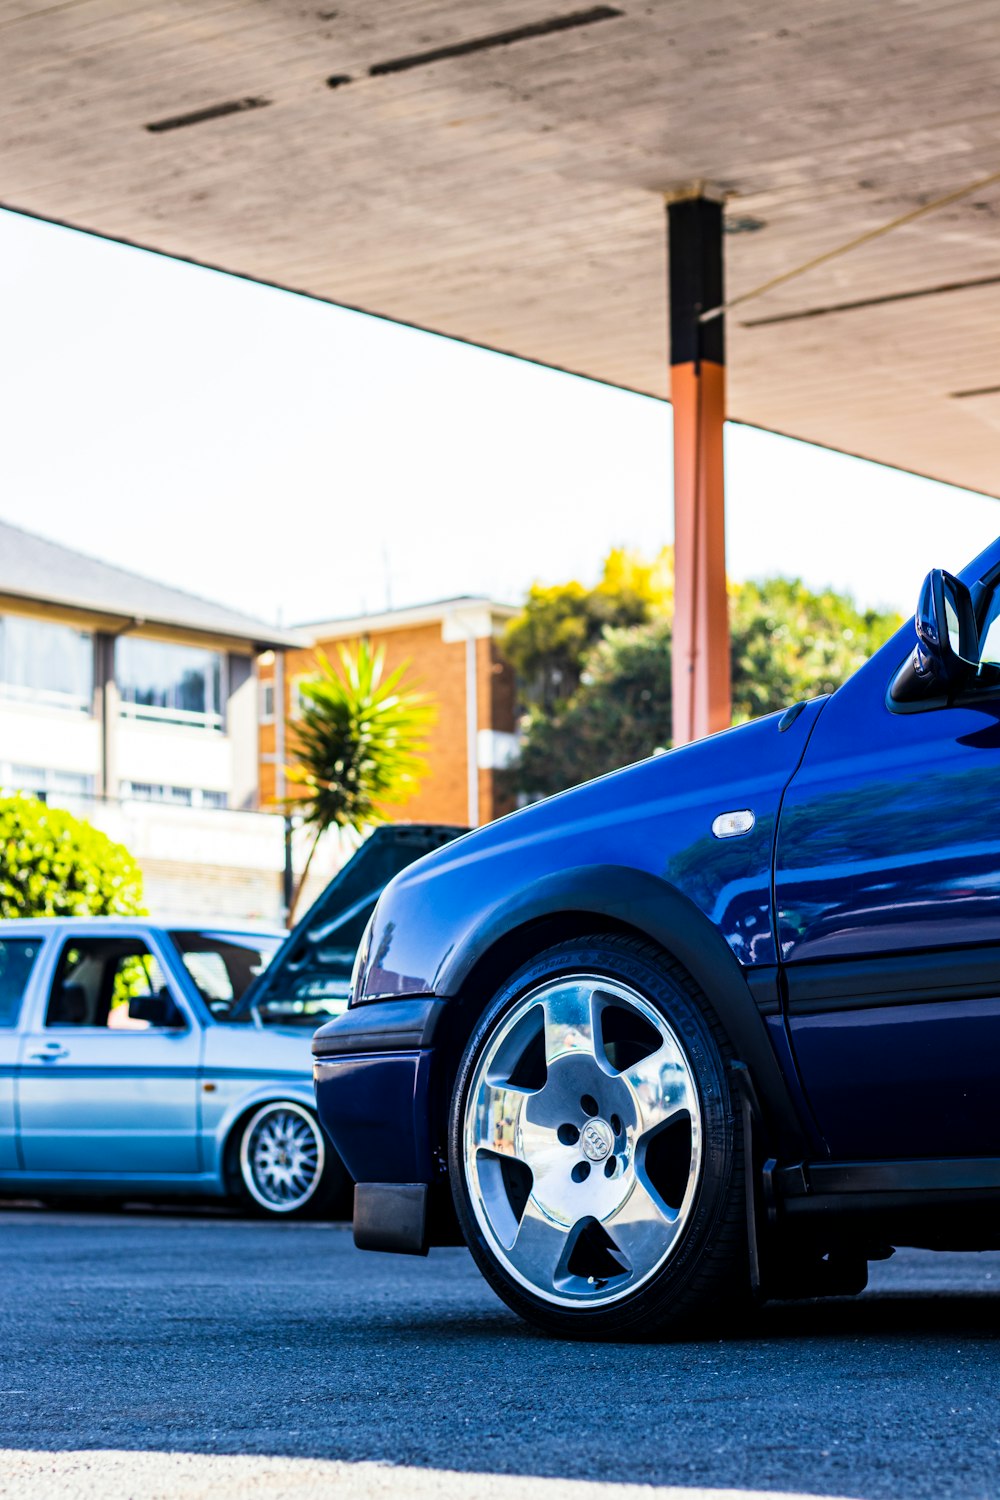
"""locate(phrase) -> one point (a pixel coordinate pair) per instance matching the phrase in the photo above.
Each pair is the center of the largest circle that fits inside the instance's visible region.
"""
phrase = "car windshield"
(223, 966)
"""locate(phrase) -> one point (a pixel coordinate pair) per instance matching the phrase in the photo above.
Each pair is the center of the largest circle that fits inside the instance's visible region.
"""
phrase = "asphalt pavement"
(150, 1354)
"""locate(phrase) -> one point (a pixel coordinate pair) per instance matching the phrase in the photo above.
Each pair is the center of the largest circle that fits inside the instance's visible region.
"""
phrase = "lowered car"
(143, 1059)
(719, 1026)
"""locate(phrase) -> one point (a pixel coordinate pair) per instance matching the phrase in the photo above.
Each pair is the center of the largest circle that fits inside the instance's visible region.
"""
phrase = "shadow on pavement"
(167, 1334)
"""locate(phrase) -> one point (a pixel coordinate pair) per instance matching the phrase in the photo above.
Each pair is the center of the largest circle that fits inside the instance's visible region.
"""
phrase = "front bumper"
(372, 1070)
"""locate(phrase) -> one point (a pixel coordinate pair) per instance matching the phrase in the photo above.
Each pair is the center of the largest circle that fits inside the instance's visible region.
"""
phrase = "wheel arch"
(609, 898)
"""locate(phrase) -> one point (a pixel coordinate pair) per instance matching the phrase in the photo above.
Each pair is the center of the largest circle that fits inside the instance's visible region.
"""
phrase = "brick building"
(453, 655)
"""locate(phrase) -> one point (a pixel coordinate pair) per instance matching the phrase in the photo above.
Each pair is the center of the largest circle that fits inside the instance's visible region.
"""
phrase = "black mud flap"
(391, 1216)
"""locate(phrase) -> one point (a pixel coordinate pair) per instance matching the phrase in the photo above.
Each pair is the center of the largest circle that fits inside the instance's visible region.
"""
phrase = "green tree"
(548, 641)
(788, 643)
(359, 745)
(55, 865)
(620, 713)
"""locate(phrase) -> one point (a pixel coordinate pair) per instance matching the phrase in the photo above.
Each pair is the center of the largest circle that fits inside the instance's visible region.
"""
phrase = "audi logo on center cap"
(597, 1139)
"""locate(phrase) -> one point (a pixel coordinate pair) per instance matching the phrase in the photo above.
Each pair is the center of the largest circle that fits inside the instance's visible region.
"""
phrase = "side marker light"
(729, 825)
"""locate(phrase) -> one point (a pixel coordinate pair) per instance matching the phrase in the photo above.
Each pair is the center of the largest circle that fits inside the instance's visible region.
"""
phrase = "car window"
(17, 958)
(97, 978)
(989, 633)
(224, 965)
(211, 975)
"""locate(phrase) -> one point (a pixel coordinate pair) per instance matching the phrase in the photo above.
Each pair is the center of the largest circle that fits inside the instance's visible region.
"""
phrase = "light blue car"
(130, 1065)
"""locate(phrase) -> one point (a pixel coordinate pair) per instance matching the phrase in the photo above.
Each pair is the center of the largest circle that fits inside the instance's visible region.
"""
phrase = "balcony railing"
(154, 713)
(14, 692)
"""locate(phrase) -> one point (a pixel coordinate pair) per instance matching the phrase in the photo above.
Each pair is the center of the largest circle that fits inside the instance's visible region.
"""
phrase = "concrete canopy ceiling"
(511, 194)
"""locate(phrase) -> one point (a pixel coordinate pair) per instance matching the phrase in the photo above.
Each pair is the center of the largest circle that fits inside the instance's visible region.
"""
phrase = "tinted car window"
(224, 965)
(17, 957)
(97, 978)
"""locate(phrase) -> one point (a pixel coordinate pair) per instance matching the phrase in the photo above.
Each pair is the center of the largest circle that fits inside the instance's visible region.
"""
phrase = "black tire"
(704, 1278)
(328, 1196)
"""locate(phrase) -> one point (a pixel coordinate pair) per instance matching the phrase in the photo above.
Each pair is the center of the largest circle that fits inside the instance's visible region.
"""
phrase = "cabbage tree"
(359, 745)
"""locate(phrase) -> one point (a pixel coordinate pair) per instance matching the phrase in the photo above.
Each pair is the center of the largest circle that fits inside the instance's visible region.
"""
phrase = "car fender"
(652, 907)
(217, 1131)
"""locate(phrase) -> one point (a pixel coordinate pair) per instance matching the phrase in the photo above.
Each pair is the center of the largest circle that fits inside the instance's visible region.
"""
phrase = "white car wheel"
(282, 1157)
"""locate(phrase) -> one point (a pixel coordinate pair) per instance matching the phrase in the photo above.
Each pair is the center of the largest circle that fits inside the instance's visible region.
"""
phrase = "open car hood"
(313, 967)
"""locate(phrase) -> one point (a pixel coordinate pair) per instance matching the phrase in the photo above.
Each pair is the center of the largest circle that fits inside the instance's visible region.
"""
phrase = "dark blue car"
(722, 1025)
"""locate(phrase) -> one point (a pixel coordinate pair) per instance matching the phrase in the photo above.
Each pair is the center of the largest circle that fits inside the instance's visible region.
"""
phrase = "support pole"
(472, 728)
(107, 707)
(288, 871)
(701, 684)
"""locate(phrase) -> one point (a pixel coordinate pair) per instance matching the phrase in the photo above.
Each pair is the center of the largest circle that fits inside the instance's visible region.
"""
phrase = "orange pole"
(701, 676)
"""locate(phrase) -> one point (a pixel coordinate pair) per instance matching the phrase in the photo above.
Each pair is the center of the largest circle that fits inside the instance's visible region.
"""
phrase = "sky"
(301, 462)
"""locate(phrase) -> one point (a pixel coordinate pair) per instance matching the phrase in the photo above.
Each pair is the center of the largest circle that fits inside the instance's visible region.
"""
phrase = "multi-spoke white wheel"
(579, 1136)
(282, 1157)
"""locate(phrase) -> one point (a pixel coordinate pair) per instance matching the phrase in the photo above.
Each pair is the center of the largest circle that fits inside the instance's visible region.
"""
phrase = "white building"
(136, 705)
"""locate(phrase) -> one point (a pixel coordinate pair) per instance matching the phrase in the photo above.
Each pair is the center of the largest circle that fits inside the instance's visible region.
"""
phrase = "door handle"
(52, 1054)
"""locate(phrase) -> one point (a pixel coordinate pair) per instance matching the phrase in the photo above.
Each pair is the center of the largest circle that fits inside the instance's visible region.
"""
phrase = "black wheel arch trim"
(403, 1025)
(652, 908)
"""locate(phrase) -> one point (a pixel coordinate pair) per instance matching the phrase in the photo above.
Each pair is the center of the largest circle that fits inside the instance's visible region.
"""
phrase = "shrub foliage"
(55, 865)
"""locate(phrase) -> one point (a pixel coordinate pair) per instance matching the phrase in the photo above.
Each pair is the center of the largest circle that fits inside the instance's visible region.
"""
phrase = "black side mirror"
(947, 638)
(157, 1010)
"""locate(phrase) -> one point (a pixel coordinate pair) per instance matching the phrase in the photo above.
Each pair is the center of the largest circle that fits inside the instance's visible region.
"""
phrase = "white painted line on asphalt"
(115, 1474)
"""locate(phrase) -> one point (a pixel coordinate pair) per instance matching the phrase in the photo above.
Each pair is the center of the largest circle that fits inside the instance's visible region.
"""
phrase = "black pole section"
(696, 281)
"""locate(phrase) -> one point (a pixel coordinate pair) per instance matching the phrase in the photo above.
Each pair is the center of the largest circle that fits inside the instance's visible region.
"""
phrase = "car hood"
(314, 964)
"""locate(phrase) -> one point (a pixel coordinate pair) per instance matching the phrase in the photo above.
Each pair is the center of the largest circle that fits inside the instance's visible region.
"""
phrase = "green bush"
(787, 643)
(55, 865)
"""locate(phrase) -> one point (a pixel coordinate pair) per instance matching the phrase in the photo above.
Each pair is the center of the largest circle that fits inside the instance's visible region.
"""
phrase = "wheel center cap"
(597, 1139)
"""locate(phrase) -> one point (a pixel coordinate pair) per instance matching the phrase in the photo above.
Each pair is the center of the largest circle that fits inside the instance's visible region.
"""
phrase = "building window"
(266, 702)
(176, 796)
(498, 750)
(43, 781)
(172, 684)
(297, 700)
(151, 791)
(44, 663)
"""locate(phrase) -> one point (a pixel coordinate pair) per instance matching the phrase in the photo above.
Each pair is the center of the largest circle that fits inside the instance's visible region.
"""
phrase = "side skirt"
(117, 1184)
(881, 1187)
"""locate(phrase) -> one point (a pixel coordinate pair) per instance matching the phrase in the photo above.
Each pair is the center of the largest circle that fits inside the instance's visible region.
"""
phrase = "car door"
(887, 887)
(19, 952)
(99, 1090)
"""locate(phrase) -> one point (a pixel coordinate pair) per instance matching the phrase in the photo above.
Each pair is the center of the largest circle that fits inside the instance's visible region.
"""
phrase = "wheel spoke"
(662, 1087)
(497, 1119)
(643, 1228)
(569, 1020)
(538, 1247)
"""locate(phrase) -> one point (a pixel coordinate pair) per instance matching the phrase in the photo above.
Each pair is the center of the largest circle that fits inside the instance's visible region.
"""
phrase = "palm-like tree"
(359, 745)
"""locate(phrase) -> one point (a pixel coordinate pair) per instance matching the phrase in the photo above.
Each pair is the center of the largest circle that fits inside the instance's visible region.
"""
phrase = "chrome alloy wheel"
(582, 1140)
(282, 1156)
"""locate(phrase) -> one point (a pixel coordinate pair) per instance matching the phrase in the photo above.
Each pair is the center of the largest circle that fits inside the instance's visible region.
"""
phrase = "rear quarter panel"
(245, 1066)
